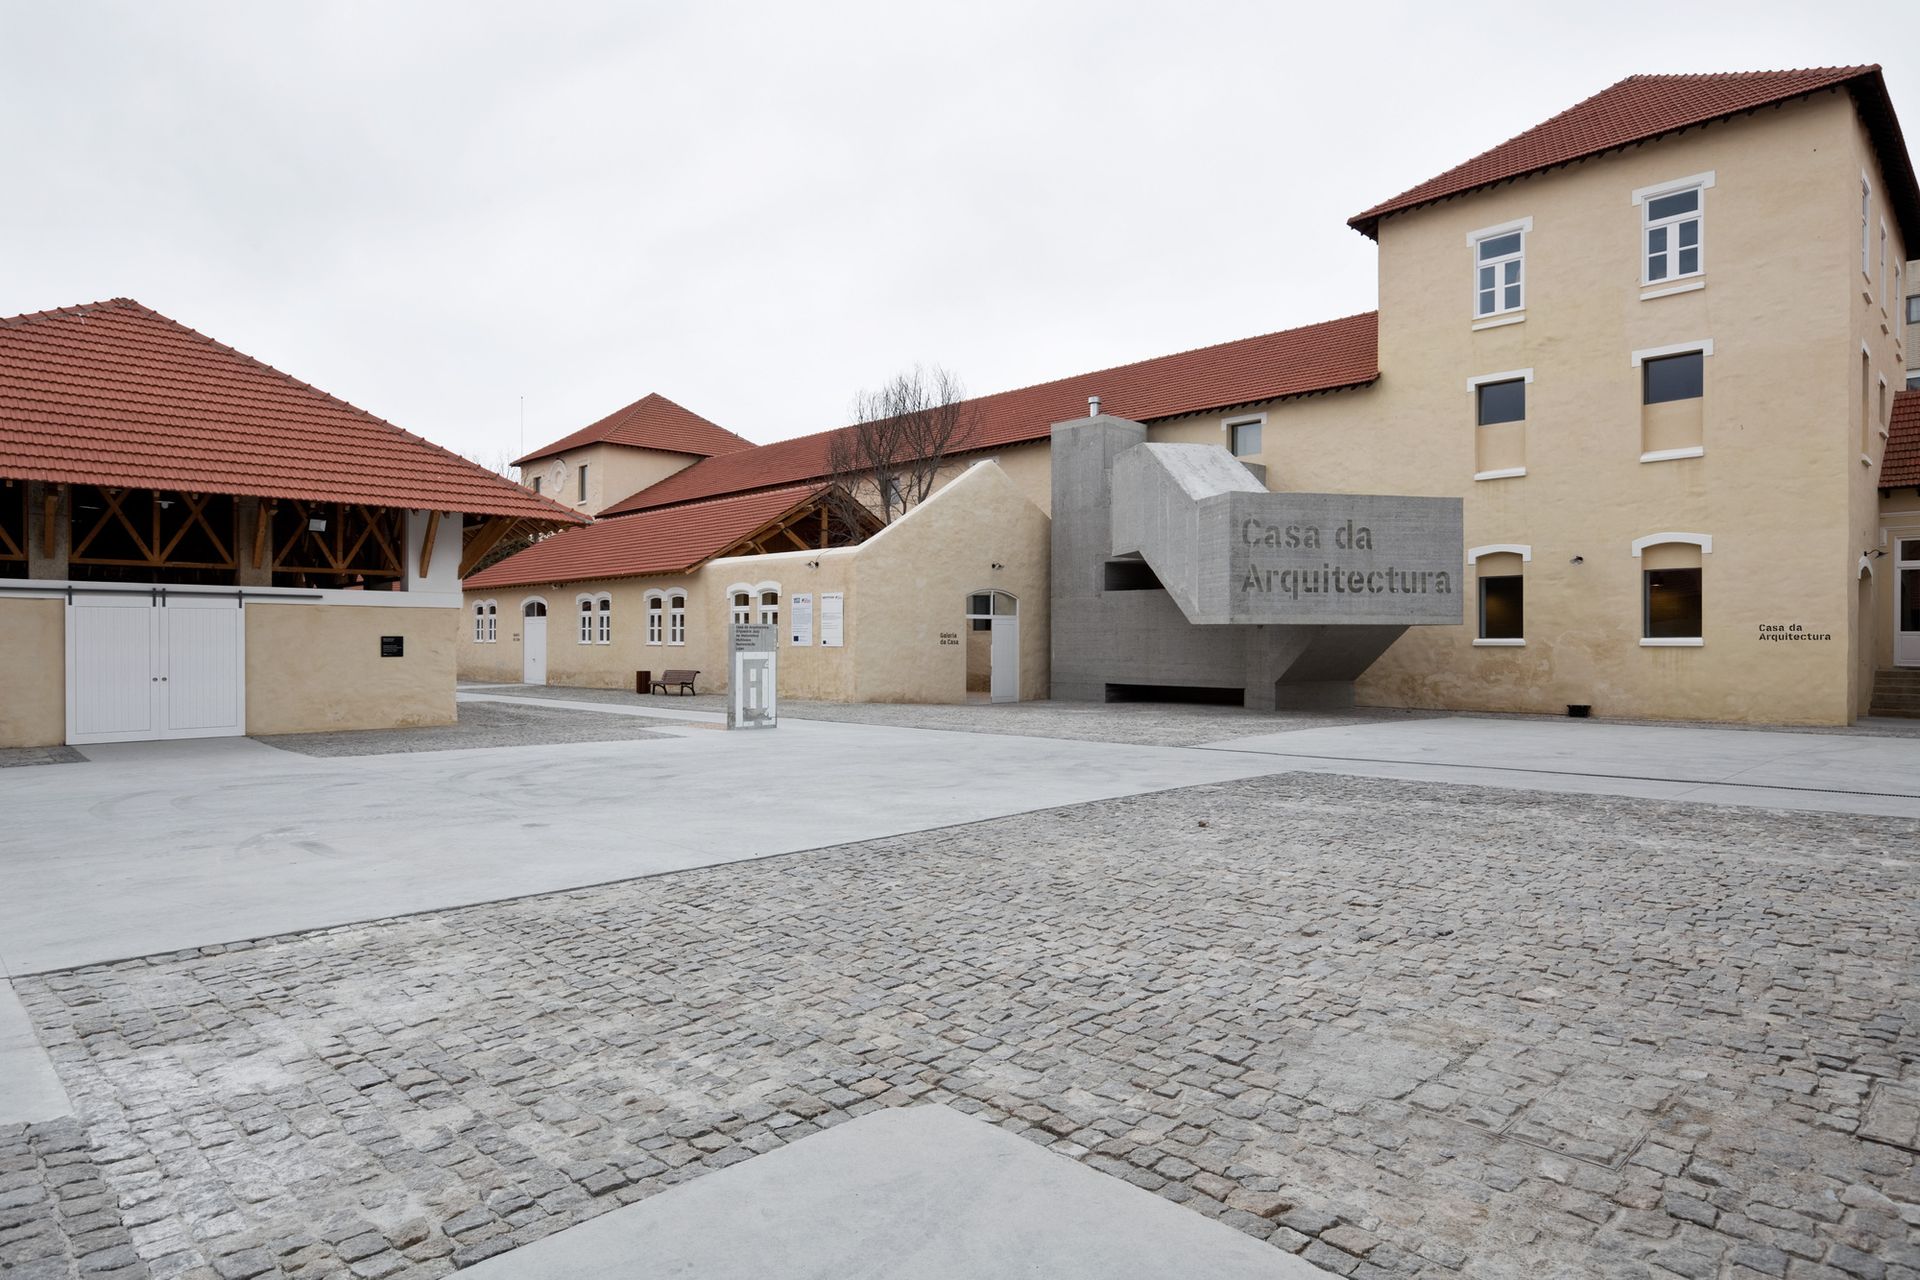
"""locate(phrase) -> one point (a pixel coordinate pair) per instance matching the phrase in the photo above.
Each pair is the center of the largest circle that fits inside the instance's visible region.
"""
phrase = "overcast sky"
(433, 210)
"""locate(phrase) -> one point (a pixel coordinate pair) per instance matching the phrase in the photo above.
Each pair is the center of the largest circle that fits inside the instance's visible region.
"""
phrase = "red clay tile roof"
(1318, 357)
(112, 393)
(1643, 107)
(651, 422)
(652, 542)
(1901, 465)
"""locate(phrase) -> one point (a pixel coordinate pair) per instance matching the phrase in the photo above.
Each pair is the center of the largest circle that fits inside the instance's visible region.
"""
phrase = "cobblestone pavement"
(15, 757)
(57, 1215)
(1404, 1029)
(1151, 724)
(480, 724)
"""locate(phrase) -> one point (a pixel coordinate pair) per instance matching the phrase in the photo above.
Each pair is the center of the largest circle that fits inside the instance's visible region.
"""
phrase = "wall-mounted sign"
(833, 619)
(1770, 631)
(800, 619)
(393, 646)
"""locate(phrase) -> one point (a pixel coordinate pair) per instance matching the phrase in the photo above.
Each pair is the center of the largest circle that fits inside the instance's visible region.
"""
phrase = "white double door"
(146, 665)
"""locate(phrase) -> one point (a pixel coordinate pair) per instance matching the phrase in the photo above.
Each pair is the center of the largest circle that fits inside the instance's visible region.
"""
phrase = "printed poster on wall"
(833, 612)
(800, 629)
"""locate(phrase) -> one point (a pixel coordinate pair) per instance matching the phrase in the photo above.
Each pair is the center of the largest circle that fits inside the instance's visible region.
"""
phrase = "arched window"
(742, 606)
(1671, 608)
(586, 619)
(604, 632)
(535, 608)
(480, 622)
(770, 606)
(656, 617)
(493, 622)
(676, 618)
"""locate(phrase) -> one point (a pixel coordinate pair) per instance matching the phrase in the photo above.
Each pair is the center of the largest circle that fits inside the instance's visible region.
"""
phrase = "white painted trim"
(521, 609)
(1704, 541)
(1511, 375)
(1671, 642)
(1499, 644)
(1703, 345)
(1865, 461)
(1512, 317)
(1521, 549)
(1487, 233)
(1227, 424)
(1668, 455)
(1647, 295)
(1508, 473)
(1702, 180)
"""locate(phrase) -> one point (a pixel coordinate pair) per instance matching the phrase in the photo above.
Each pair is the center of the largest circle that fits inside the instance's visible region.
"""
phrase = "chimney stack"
(1093, 406)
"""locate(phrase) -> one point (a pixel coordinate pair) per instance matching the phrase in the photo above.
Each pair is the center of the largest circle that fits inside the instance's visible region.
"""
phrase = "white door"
(203, 667)
(1906, 603)
(1005, 682)
(533, 643)
(113, 668)
(141, 665)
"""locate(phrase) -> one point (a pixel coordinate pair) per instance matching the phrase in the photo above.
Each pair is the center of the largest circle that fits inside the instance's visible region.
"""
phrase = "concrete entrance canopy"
(1175, 566)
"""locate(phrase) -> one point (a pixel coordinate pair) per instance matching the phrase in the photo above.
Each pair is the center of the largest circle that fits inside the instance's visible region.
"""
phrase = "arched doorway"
(533, 641)
(993, 645)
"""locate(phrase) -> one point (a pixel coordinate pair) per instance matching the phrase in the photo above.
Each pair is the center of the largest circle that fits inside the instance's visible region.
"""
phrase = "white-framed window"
(603, 620)
(1499, 268)
(742, 598)
(1866, 228)
(770, 606)
(486, 625)
(1672, 217)
(1243, 434)
(656, 617)
(1675, 372)
(583, 482)
(586, 618)
(677, 618)
(1886, 272)
(1670, 596)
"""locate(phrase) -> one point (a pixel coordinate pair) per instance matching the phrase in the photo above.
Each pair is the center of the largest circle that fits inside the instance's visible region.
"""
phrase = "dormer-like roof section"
(651, 422)
(1641, 108)
(1314, 358)
(113, 393)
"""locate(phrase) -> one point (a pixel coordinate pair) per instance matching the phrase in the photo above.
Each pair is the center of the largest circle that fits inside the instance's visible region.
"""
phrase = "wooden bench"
(681, 680)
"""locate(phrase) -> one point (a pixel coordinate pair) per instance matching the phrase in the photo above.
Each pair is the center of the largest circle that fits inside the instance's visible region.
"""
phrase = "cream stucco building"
(1656, 347)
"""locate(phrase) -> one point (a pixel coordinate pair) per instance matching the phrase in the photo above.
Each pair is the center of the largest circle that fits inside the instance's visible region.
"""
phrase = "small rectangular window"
(583, 482)
(1502, 613)
(1244, 438)
(1672, 610)
(1680, 377)
(1498, 270)
(1501, 402)
(1913, 308)
(536, 484)
(1673, 235)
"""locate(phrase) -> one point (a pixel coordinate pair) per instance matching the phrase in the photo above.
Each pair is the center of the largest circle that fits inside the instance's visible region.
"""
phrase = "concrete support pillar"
(47, 555)
(250, 511)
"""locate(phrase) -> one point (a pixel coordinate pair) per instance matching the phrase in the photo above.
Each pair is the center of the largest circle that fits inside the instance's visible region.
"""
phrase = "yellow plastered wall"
(614, 472)
(33, 707)
(312, 667)
(591, 665)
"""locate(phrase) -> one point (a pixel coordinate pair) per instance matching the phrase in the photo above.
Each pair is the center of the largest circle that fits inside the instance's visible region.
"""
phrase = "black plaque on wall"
(393, 646)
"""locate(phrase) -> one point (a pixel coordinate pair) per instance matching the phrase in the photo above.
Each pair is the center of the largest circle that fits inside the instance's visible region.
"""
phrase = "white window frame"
(584, 603)
(740, 615)
(1866, 233)
(583, 482)
(1245, 420)
(656, 606)
(603, 618)
(1704, 541)
(1525, 552)
(485, 624)
(677, 618)
(767, 615)
(1524, 226)
(1644, 198)
(1885, 275)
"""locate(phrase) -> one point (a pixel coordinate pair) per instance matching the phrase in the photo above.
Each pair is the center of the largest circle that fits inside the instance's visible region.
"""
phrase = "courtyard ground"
(1395, 1026)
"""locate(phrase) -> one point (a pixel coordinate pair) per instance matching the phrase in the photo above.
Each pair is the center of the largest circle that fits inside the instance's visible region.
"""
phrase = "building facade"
(193, 544)
(1655, 348)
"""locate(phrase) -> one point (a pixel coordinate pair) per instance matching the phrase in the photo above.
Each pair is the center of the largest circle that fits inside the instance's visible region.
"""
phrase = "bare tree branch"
(890, 460)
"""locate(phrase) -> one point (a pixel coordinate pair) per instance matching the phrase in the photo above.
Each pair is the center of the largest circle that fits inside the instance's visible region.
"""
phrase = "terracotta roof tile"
(1318, 357)
(651, 422)
(1901, 465)
(113, 393)
(1643, 107)
(654, 542)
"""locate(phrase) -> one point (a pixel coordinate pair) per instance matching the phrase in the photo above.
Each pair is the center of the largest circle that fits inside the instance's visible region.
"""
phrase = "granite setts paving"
(1401, 1029)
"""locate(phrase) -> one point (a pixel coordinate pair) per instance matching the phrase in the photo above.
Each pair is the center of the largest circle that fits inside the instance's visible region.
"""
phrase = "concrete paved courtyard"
(1390, 1026)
